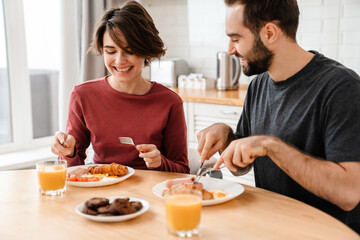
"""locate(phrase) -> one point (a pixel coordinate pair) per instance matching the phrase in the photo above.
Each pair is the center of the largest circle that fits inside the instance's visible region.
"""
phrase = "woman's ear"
(269, 33)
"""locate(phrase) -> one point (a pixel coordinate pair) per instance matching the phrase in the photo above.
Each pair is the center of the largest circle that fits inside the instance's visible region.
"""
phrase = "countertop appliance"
(228, 71)
(167, 70)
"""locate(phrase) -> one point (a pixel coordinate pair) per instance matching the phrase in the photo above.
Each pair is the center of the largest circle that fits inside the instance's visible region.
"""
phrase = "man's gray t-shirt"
(318, 111)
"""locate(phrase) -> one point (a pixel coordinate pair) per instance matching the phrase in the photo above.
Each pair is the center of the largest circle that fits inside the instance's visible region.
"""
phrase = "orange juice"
(52, 177)
(183, 211)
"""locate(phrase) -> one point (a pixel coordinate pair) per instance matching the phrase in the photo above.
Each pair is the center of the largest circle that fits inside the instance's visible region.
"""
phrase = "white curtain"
(78, 21)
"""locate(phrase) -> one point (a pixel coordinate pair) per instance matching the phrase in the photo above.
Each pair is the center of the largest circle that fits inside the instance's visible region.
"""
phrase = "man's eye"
(234, 40)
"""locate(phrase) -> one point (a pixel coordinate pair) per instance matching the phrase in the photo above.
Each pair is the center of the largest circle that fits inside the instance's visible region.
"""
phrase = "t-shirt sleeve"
(341, 114)
(174, 155)
(243, 126)
(76, 127)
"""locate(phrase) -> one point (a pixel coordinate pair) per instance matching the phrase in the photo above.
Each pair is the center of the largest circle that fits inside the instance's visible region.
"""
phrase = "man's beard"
(258, 59)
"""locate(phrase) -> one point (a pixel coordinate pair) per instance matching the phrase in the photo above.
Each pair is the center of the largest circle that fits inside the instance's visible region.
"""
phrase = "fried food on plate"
(97, 173)
(184, 184)
(113, 169)
(169, 183)
(78, 172)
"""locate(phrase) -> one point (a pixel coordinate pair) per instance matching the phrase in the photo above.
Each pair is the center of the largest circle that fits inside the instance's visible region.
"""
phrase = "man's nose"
(231, 48)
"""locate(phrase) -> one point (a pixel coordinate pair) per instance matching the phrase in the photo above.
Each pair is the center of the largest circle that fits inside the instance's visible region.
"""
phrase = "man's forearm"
(325, 179)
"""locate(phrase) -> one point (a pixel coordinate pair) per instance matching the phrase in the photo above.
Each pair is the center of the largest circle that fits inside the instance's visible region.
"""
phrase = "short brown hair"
(285, 13)
(138, 28)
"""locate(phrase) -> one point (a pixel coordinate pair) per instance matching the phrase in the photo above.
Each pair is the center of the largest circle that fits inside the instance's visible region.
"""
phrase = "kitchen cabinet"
(202, 115)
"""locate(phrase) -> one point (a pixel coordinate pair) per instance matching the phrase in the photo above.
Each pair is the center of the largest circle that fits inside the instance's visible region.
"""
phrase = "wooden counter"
(213, 96)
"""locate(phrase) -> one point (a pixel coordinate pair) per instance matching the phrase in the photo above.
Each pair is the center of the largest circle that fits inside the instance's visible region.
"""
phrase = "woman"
(124, 104)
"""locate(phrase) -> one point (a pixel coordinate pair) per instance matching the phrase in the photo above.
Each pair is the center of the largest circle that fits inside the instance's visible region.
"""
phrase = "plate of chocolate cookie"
(112, 209)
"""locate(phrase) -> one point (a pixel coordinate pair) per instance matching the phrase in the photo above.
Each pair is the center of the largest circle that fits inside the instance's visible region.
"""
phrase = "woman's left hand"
(150, 154)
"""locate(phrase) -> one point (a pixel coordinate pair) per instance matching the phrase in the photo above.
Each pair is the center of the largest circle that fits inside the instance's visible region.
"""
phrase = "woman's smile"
(123, 69)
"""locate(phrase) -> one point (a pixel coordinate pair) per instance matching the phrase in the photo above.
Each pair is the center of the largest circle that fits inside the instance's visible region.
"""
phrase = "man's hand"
(213, 139)
(242, 152)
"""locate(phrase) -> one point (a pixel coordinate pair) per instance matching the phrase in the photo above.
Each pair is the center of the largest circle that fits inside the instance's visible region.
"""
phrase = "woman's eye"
(128, 51)
(110, 52)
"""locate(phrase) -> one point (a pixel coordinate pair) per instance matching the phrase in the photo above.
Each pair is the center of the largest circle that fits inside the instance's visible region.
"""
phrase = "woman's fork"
(127, 140)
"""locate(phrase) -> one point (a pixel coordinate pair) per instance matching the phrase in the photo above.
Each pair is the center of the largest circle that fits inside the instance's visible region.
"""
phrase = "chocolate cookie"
(138, 205)
(89, 211)
(103, 209)
(96, 202)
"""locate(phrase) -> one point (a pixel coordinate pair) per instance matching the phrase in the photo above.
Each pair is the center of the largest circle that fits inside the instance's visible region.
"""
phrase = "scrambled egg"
(109, 178)
(217, 193)
(101, 176)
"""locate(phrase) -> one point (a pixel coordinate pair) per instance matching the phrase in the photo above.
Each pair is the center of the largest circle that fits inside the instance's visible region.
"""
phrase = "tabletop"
(255, 214)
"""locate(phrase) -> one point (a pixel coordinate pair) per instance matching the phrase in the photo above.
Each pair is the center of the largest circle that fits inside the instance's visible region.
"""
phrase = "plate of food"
(112, 209)
(214, 190)
(97, 175)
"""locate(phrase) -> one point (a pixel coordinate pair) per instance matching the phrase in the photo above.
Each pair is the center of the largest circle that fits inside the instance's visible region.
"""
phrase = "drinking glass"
(51, 177)
(183, 212)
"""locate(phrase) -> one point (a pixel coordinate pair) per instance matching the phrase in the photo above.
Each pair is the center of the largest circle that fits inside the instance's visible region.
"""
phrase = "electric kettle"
(228, 71)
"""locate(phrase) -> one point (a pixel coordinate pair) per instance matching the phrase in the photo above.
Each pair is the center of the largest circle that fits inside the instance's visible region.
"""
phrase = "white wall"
(195, 30)
(333, 28)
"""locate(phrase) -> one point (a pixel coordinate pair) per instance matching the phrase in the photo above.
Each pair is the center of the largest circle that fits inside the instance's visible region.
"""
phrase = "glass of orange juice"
(51, 177)
(183, 212)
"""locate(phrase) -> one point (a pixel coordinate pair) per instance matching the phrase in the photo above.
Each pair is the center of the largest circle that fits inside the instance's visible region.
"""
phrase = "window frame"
(19, 81)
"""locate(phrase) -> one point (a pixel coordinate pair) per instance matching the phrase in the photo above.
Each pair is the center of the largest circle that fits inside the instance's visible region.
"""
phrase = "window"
(42, 28)
(29, 73)
(5, 113)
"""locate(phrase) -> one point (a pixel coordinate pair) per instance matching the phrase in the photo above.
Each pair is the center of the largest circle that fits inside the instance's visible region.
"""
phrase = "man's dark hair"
(284, 13)
(136, 25)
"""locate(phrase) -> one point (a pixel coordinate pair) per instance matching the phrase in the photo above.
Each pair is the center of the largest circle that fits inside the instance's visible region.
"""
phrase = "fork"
(198, 172)
(126, 140)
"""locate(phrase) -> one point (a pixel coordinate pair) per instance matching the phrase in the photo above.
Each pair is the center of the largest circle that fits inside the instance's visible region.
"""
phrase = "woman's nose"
(120, 57)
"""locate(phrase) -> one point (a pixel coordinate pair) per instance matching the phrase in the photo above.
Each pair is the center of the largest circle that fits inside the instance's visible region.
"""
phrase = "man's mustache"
(238, 55)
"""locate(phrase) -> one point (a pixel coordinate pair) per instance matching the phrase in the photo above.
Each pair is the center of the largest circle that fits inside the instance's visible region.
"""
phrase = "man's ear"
(269, 33)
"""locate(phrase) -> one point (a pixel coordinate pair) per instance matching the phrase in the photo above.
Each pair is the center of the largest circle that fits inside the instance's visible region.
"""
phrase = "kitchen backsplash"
(195, 30)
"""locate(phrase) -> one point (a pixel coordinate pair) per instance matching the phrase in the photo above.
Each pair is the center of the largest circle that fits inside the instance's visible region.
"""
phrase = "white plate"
(120, 218)
(231, 189)
(106, 182)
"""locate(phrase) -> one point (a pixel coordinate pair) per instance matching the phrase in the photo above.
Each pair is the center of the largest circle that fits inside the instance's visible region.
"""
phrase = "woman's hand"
(63, 144)
(150, 154)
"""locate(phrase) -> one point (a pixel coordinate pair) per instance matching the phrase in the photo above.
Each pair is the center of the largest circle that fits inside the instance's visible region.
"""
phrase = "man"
(300, 122)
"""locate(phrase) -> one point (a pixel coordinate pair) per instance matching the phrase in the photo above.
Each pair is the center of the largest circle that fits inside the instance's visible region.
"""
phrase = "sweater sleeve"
(76, 127)
(174, 155)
